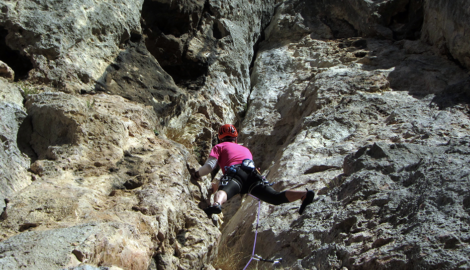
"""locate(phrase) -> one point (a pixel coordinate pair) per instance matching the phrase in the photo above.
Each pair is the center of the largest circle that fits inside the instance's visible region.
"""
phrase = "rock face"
(395, 208)
(13, 164)
(445, 26)
(105, 104)
(350, 94)
(6, 72)
(69, 44)
(103, 178)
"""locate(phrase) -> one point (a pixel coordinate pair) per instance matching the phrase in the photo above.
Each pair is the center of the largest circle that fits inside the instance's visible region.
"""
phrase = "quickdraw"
(259, 258)
(253, 255)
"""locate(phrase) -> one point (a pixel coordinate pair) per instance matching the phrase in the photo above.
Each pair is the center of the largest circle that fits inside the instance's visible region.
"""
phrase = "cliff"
(105, 104)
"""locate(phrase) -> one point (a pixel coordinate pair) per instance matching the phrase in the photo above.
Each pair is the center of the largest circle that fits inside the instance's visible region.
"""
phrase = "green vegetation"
(28, 89)
(89, 104)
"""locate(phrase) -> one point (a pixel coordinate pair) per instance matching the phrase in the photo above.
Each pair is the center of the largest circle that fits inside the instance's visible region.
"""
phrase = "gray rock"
(381, 217)
(49, 249)
(339, 97)
(13, 163)
(56, 249)
(11, 93)
(393, 20)
(90, 267)
(69, 44)
(6, 71)
(99, 161)
(444, 26)
(136, 75)
(313, 103)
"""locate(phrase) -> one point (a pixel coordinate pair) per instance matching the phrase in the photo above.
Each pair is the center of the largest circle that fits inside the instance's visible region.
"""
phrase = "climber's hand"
(215, 187)
(194, 174)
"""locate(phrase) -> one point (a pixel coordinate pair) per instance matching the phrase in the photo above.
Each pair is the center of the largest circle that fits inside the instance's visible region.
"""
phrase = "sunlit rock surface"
(105, 104)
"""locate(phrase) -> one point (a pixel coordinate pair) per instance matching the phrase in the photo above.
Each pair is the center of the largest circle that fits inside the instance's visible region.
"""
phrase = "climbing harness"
(247, 165)
(262, 181)
(233, 173)
(253, 255)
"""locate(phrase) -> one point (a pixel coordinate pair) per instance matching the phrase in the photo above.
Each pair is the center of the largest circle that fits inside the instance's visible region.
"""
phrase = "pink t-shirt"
(229, 153)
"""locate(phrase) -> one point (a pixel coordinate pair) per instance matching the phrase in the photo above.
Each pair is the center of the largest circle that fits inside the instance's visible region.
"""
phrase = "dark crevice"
(408, 24)
(256, 49)
(207, 8)
(206, 12)
(20, 64)
(320, 168)
(135, 37)
(27, 226)
(133, 183)
(169, 19)
(136, 75)
(23, 139)
(4, 214)
(167, 30)
(78, 254)
(453, 95)
(340, 28)
(218, 30)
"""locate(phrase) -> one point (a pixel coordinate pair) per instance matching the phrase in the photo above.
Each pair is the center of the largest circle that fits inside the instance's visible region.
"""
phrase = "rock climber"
(241, 176)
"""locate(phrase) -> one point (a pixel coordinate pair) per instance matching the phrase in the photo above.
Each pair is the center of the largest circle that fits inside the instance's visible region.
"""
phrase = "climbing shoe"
(215, 209)
(308, 200)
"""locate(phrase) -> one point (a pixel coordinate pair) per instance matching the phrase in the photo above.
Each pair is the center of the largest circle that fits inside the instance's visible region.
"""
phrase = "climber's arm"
(210, 164)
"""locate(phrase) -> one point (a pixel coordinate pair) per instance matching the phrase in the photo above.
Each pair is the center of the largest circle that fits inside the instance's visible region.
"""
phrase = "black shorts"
(253, 183)
(232, 188)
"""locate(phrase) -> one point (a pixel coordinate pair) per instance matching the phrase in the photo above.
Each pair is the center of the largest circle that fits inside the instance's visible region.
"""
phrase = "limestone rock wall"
(184, 58)
(104, 179)
(212, 63)
(105, 104)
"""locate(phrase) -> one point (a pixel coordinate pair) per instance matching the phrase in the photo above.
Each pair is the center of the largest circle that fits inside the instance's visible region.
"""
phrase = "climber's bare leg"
(220, 197)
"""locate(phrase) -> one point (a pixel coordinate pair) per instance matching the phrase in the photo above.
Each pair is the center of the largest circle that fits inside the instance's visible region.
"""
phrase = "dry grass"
(228, 260)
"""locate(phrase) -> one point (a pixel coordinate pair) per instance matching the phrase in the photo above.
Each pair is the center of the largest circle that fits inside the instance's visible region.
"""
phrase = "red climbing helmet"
(227, 130)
